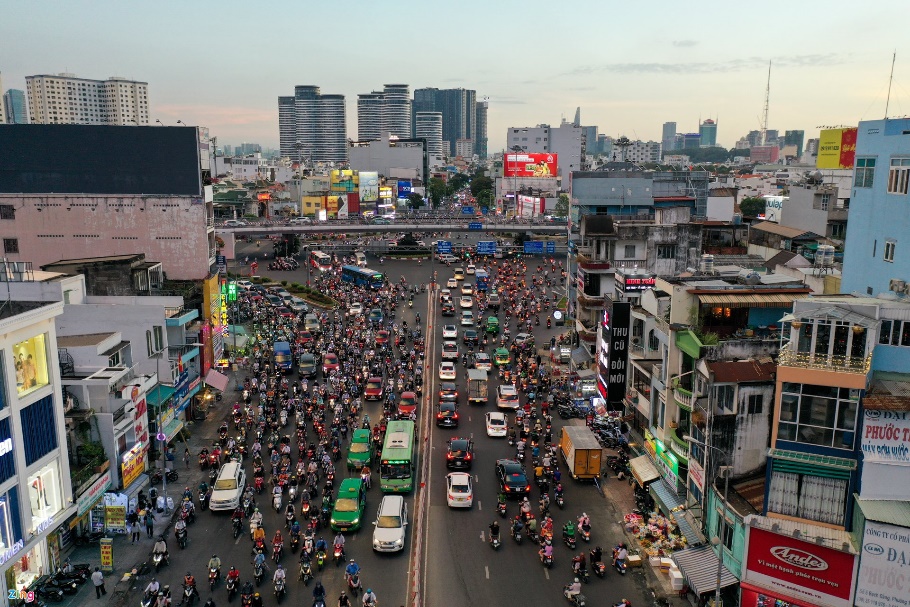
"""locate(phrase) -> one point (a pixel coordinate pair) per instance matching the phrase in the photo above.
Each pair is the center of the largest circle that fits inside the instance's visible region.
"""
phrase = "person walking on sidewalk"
(98, 581)
(149, 523)
(186, 457)
(132, 524)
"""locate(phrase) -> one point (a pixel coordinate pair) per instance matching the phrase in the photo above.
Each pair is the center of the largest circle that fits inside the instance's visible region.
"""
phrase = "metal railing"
(825, 362)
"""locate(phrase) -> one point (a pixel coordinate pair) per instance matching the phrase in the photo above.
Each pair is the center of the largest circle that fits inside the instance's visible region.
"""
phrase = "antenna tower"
(764, 118)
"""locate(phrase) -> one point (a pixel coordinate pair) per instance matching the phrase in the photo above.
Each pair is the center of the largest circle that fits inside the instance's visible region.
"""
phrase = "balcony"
(824, 362)
(186, 352)
(179, 317)
(591, 301)
(683, 398)
(82, 477)
(678, 446)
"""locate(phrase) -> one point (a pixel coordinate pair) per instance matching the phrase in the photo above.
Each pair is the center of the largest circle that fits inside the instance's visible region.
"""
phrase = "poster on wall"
(883, 580)
(886, 437)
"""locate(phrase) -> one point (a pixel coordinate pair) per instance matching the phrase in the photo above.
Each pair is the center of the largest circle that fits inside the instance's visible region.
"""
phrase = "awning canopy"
(666, 497)
(688, 526)
(699, 566)
(751, 300)
(159, 395)
(643, 469)
(217, 380)
(581, 355)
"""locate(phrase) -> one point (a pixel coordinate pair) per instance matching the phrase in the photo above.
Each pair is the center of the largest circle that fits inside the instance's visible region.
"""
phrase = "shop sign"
(886, 437)
(884, 578)
(44, 524)
(107, 554)
(620, 316)
(140, 421)
(133, 465)
(697, 474)
(802, 570)
(94, 493)
(6, 446)
(11, 551)
(115, 517)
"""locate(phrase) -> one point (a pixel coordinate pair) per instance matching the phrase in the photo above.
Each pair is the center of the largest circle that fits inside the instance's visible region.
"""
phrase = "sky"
(629, 66)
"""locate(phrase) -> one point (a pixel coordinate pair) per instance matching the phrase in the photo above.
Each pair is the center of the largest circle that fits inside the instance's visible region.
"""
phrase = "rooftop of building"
(892, 512)
(10, 308)
(746, 496)
(86, 339)
(746, 371)
(106, 259)
(785, 231)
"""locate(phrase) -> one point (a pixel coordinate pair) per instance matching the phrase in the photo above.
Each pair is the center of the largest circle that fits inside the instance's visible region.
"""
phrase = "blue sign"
(487, 247)
(551, 247)
(404, 189)
(443, 247)
(484, 210)
(534, 247)
(467, 210)
(475, 225)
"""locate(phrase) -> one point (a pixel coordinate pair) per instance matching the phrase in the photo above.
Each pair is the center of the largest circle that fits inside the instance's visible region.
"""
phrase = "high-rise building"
(2, 103)
(312, 126)
(691, 141)
(772, 136)
(66, 99)
(480, 129)
(369, 116)
(565, 141)
(15, 105)
(754, 138)
(668, 138)
(249, 148)
(386, 111)
(795, 138)
(708, 132)
(458, 108)
(429, 127)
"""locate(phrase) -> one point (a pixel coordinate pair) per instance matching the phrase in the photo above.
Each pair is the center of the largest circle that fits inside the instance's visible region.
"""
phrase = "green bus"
(396, 468)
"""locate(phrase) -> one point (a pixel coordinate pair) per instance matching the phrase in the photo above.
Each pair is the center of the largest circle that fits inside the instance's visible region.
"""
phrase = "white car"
(452, 283)
(467, 318)
(459, 490)
(507, 397)
(449, 332)
(466, 302)
(450, 350)
(467, 290)
(355, 309)
(447, 370)
(391, 524)
(444, 295)
(496, 423)
(228, 487)
(483, 361)
(234, 223)
(471, 269)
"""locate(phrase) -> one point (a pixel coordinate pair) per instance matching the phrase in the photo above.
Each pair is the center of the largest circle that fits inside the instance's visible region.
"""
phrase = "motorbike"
(258, 573)
(189, 595)
(67, 586)
(501, 508)
(49, 593)
(279, 590)
(292, 493)
(295, 543)
(620, 566)
(354, 583)
(338, 554)
(172, 476)
(257, 483)
(231, 586)
(276, 502)
(320, 559)
(181, 538)
(600, 569)
(306, 572)
(583, 575)
(516, 535)
(158, 559)
(586, 532)
(213, 577)
(569, 540)
(238, 527)
(495, 542)
(560, 501)
(277, 549)
(246, 599)
(546, 560)
(578, 600)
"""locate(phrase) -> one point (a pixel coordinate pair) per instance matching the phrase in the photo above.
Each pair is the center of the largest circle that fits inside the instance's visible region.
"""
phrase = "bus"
(482, 280)
(396, 468)
(281, 353)
(321, 261)
(362, 277)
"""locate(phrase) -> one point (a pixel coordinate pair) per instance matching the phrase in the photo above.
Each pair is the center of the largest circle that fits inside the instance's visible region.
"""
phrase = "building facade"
(458, 108)
(15, 105)
(625, 193)
(707, 130)
(312, 127)
(668, 136)
(566, 141)
(66, 99)
(429, 127)
(386, 111)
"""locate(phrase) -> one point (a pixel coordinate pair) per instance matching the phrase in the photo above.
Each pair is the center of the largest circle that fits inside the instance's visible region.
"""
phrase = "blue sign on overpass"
(551, 247)
(467, 210)
(475, 225)
(443, 247)
(486, 247)
(534, 247)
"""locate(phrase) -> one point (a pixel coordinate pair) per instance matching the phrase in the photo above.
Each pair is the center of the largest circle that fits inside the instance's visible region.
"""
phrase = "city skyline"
(693, 65)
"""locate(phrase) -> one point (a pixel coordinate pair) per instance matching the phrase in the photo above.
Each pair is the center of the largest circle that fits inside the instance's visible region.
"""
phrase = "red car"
(304, 337)
(329, 363)
(408, 403)
(374, 389)
(382, 337)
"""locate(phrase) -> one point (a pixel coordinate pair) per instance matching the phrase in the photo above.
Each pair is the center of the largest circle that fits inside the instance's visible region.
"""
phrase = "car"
(507, 397)
(448, 391)
(524, 339)
(447, 414)
(234, 223)
(470, 337)
(466, 302)
(274, 300)
(228, 487)
(304, 337)
(471, 269)
(390, 524)
(374, 389)
(445, 295)
(494, 299)
(459, 453)
(311, 323)
(382, 337)
(286, 312)
(502, 356)
(329, 363)
(449, 332)
(306, 365)
(347, 515)
(459, 490)
(483, 361)
(497, 426)
(244, 285)
(375, 315)
(298, 308)
(512, 479)
(467, 318)
(450, 350)
(360, 453)
(355, 309)
(301, 221)
(452, 283)
(381, 221)
(447, 258)
(459, 273)
(467, 290)
(448, 309)
(407, 404)
(447, 370)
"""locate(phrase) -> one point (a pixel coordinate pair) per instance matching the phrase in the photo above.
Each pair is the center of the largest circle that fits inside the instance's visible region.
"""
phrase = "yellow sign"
(115, 517)
(133, 465)
(836, 148)
(107, 554)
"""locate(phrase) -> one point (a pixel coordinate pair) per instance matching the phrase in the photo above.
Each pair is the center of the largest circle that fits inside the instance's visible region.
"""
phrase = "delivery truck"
(581, 451)
(478, 390)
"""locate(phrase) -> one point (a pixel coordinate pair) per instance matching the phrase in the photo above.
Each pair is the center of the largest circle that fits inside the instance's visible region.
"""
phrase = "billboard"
(801, 570)
(836, 149)
(529, 206)
(882, 581)
(773, 207)
(886, 437)
(369, 186)
(343, 180)
(404, 189)
(530, 165)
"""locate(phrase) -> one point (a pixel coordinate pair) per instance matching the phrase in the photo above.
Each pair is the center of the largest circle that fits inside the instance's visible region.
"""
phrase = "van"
(228, 487)
(281, 354)
(391, 523)
(311, 323)
(448, 258)
(361, 259)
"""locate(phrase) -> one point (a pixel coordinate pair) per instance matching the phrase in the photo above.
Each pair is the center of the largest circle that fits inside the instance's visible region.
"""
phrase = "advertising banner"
(836, 149)
(530, 165)
(801, 570)
(369, 186)
(883, 577)
(343, 180)
(529, 206)
(88, 498)
(133, 465)
(886, 437)
(404, 189)
(107, 554)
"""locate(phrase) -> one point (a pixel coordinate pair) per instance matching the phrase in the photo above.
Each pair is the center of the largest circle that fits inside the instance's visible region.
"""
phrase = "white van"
(361, 259)
(228, 487)
(391, 522)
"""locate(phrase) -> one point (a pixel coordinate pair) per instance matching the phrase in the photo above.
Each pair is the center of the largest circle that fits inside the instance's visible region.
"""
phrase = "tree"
(457, 182)
(562, 206)
(480, 184)
(752, 206)
(485, 199)
(520, 238)
(437, 191)
(415, 200)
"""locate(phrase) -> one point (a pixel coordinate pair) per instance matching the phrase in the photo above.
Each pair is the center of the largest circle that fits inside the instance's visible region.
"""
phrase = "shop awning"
(699, 567)
(643, 469)
(159, 395)
(666, 497)
(172, 428)
(217, 380)
(581, 355)
(751, 300)
(689, 528)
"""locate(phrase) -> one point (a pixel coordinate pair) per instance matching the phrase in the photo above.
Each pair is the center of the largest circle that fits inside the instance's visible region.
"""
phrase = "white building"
(312, 126)
(253, 167)
(641, 152)
(387, 157)
(429, 126)
(66, 99)
(464, 148)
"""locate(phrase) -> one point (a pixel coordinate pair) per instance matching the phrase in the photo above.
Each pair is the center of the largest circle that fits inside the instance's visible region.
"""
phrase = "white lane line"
(487, 571)
(482, 537)
(479, 505)
(546, 573)
(476, 478)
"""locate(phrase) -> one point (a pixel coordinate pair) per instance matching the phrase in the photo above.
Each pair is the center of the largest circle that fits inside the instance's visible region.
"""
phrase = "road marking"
(479, 506)
(482, 537)
(546, 573)
(487, 571)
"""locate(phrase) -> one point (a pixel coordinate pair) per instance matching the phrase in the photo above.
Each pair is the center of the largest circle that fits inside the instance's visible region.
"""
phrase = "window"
(865, 171)
(630, 251)
(818, 415)
(723, 397)
(114, 360)
(756, 404)
(899, 176)
(666, 251)
(31, 364)
(10, 246)
(815, 498)
(159, 338)
(7, 211)
(889, 250)
(725, 530)
(824, 202)
(838, 230)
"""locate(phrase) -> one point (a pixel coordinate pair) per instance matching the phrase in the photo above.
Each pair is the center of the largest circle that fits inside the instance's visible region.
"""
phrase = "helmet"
(233, 568)
(256, 595)
(188, 574)
(352, 560)
(577, 580)
(280, 567)
(214, 556)
(369, 591)
(257, 509)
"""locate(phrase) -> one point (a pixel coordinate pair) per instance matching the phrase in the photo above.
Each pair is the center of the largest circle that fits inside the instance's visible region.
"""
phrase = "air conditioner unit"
(896, 284)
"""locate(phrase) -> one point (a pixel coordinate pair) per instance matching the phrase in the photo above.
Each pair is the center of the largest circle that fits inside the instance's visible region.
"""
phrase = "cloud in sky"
(709, 67)
(684, 43)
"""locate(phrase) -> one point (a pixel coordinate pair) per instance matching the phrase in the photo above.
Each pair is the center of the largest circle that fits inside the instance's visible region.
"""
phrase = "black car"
(448, 391)
(470, 337)
(459, 454)
(447, 414)
(307, 365)
(512, 478)
(448, 309)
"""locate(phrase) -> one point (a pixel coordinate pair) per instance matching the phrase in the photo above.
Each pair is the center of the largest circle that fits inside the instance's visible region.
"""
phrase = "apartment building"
(66, 99)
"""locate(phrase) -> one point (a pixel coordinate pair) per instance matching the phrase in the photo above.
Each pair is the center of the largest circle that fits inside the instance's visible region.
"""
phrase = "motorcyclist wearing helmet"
(256, 518)
(344, 601)
(369, 597)
(318, 593)
(352, 569)
(237, 514)
(160, 547)
(233, 574)
(494, 530)
(321, 545)
(573, 589)
(279, 574)
(215, 563)
(257, 600)
(339, 541)
(578, 563)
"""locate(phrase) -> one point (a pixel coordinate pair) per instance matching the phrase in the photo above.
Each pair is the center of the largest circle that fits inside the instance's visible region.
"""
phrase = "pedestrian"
(98, 581)
(186, 457)
(132, 526)
(149, 523)
(137, 531)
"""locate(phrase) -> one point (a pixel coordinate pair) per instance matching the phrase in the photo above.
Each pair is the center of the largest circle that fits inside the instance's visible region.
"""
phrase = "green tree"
(437, 191)
(457, 182)
(562, 206)
(520, 238)
(415, 200)
(485, 198)
(480, 184)
(752, 206)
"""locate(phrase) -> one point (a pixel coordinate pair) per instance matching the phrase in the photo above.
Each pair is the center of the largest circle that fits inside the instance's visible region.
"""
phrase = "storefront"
(86, 518)
(671, 470)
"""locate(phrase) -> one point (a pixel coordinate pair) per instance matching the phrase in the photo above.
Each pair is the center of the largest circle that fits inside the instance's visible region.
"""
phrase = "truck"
(478, 390)
(281, 353)
(581, 451)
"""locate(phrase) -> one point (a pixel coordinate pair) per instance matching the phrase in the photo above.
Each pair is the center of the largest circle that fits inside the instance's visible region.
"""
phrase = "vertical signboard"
(107, 554)
(883, 580)
(621, 316)
(369, 186)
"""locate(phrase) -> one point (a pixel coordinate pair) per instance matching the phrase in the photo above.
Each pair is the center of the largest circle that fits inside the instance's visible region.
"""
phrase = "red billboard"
(799, 570)
(530, 165)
